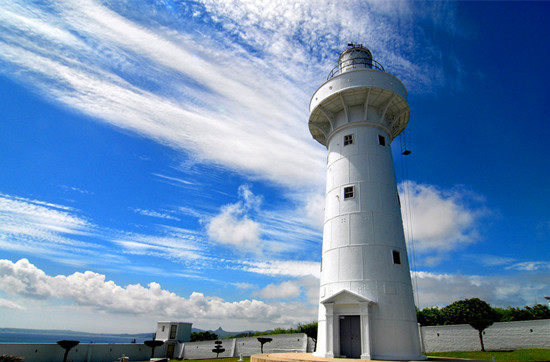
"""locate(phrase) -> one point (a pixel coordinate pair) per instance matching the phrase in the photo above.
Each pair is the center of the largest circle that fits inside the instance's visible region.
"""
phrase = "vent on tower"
(348, 192)
(348, 139)
(396, 257)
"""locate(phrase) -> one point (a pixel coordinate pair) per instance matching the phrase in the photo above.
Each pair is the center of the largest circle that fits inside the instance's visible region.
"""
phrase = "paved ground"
(308, 357)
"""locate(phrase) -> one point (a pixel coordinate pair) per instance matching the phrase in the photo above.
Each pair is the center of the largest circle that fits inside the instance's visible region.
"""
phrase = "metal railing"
(356, 63)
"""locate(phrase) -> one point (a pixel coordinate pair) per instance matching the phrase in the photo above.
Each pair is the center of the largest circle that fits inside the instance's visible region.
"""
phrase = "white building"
(173, 334)
(366, 300)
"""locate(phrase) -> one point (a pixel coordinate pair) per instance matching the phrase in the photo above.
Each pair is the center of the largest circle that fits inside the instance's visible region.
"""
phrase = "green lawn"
(514, 355)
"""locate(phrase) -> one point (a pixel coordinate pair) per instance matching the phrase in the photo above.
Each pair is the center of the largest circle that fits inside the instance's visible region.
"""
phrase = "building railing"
(356, 63)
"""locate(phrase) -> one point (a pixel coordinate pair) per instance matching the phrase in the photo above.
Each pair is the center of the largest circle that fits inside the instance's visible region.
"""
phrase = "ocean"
(30, 337)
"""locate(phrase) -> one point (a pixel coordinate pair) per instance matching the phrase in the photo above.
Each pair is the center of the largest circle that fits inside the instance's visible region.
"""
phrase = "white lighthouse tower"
(366, 305)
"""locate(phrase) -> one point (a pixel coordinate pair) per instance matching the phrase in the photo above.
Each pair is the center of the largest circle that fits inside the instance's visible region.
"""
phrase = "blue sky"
(157, 165)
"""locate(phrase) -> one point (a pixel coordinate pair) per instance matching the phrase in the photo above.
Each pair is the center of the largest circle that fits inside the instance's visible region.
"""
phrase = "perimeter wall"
(85, 352)
(499, 336)
(99, 352)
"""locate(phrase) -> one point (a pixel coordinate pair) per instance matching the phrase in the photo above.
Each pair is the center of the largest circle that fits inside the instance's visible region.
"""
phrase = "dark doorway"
(350, 336)
(170, 351)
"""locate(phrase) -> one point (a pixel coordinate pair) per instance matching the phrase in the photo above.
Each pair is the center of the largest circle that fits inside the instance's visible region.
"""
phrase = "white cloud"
(152, 213)
(290, 32)
(204, 93)
(92, 290)
(49, 230)
(283, 290)
(251, 201)
(314, 210)
(530, 266)
(180, 114)
(232, 226)
(242, 285)
(294, 268)
(441, 220)
(436, 289)
(490, 260)
(176, 243)
(311, 286)
(55, 231)
(33, 216)
(277, 232)
(174, 180)
(10, 305)
(308, 285)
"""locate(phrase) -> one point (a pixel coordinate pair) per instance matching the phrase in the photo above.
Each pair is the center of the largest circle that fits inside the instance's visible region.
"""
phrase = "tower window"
(348, 192)
(173, 330)
(396, 257)
(381, 140)
(348, 139)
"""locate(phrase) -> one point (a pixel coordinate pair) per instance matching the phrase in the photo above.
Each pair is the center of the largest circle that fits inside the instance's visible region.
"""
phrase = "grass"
(513, 355)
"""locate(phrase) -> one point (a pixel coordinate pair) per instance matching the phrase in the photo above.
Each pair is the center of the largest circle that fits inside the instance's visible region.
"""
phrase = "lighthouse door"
(350, 336)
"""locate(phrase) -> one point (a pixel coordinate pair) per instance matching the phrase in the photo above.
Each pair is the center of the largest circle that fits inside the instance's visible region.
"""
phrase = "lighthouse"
(366, 307)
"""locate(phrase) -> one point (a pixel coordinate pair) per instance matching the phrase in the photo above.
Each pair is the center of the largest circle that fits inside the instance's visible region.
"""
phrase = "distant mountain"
(224, 334)
(69, 332)
(66, 332)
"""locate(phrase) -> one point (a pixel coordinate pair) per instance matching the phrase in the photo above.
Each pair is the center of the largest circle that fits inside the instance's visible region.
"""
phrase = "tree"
(67, 345)
(218, 348)
(475, 312)
(263, 340)
(429, 316)
(310, 330)
(6, 358)
(203, 336)
(153, 343)
(539, 311)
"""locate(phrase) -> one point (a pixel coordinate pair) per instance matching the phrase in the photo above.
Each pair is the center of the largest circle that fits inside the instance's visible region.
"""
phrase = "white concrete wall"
(163, 331)
(97, 352)
(51, 352)
(280, 343)
(247, 346)
(203, 349)
(509, 335)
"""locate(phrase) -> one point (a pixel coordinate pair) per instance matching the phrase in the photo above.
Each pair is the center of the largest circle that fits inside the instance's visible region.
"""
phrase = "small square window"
(381, 140)
(348, 139)
(396, 257)
(348, 192)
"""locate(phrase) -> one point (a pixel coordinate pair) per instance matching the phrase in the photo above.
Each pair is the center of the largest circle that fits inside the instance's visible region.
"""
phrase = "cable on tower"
(407, 208)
